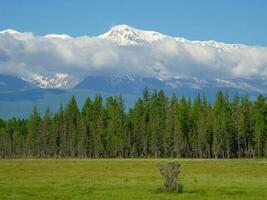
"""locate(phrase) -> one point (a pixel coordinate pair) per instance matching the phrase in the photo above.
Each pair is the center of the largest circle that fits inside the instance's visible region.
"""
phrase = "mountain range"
(123, 60)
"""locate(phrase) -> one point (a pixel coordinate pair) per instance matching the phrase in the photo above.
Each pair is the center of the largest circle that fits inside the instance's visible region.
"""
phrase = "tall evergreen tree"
(184, 121)
(196, 115)
(72, 117)
(219, 127)
(46, 137)
(246, 129)
(260, 127)
(33, 137)
(173, 131)
(98, 126)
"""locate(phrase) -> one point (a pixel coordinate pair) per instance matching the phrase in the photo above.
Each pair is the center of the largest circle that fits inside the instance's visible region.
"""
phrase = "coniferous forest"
(157, 126)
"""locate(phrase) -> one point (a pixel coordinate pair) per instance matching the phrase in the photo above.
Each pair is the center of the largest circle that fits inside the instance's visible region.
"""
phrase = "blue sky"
(233, 21)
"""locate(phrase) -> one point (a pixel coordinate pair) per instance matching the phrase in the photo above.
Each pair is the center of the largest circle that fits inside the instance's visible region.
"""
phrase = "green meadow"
(138, 179)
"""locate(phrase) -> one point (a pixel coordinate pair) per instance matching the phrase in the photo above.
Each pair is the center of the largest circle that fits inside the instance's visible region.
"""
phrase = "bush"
(170, 171)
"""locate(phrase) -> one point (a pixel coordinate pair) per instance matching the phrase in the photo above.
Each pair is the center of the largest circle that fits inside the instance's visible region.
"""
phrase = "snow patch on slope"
(57, 80)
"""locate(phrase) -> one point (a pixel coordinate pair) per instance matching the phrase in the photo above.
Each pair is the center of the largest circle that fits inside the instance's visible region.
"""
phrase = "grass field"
(138, 179)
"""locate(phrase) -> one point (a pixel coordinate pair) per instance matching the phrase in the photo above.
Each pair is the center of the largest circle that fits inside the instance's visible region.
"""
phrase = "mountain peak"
(127, 35)
(122, 27)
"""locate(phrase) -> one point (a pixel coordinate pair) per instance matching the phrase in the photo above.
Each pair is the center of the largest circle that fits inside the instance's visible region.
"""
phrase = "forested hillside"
(157, 126)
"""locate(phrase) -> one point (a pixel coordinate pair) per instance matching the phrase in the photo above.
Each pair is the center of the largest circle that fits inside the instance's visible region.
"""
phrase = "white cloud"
(23, 54)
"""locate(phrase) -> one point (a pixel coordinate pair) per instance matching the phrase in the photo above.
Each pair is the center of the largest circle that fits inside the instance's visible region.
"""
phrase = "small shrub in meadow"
(170, 171)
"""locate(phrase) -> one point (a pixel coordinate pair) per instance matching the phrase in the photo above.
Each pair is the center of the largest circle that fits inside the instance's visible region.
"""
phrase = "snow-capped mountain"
(127, 35)
(56, 80)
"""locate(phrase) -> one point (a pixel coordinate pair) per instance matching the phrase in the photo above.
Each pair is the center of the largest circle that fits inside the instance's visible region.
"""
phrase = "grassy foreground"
(130, 179)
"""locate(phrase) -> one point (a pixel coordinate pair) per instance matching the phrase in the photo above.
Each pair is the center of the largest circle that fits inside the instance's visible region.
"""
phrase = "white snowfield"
(53, 81)
(62, 61)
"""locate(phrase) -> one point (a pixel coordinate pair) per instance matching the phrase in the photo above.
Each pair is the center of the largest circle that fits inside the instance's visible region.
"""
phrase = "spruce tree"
(72, 120)
(33, 137)
(260, 127)
(184, 121)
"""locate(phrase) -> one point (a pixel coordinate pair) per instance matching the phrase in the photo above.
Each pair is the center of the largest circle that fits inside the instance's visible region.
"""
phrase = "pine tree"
(138, 135)
(157, 144)
(196, 115)
(116, 127)
(45, 134)
(204, 138)
(184, 121)
(33, 137)
(145, 124)
(72, 118)
(172, 130)
(246, 130)
(219, 127)
(260, 128)
(163, 105)
(235, 109)
(98, 126)
(60, 133)
(85, 134)
(54, 137)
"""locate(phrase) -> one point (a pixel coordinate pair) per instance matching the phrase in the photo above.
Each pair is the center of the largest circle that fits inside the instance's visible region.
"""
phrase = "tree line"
(156, 126)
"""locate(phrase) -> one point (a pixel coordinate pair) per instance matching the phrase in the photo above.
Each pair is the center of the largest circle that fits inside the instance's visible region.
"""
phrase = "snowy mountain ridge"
(57, 80)
(127, 35)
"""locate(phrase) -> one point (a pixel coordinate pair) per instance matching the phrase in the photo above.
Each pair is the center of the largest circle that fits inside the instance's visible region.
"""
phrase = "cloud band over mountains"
(25, 54)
